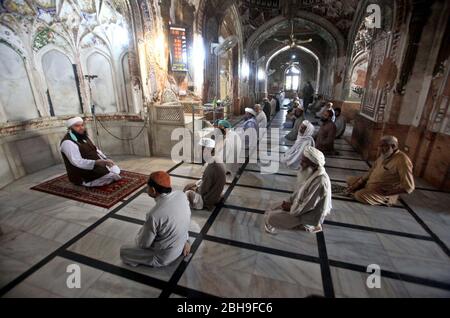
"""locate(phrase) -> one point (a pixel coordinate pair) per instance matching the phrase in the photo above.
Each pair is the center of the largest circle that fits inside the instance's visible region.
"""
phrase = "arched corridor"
(297, 90)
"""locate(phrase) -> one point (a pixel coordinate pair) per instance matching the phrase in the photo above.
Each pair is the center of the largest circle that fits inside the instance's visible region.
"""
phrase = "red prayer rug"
(104, 196)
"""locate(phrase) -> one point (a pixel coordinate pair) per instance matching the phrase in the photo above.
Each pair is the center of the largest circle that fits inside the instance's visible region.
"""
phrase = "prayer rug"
(104, 196)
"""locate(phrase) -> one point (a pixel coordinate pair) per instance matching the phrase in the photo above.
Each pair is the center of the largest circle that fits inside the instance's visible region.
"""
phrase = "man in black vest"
(85, 164)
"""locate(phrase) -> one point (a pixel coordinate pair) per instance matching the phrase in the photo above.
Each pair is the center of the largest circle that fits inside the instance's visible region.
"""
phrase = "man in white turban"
(308, 206)
(86, 165)
(260, 118)
(293, 156)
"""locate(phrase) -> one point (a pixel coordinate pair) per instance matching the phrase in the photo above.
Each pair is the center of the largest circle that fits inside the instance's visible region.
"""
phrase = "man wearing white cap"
(308, 206)
(85, 164)
(260, 118)
(207, 192)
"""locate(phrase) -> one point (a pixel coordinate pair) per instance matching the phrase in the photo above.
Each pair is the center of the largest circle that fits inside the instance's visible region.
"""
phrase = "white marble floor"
(232, 256)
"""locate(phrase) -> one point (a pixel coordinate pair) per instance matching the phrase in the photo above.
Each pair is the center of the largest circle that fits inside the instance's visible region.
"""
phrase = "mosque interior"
(136, 71)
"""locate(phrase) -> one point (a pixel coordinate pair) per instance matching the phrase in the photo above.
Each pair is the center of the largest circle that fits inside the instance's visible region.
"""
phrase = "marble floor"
(231, 256)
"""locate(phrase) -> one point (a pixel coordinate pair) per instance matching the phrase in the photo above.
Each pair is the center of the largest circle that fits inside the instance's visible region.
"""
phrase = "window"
(292, 78)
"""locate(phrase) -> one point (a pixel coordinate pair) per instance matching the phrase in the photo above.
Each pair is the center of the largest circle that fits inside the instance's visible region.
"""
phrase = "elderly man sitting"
(293, 156)
(207, 191)
(298, 120)
(261, 118)
(390, 175)
(309, 205)
(85, 164)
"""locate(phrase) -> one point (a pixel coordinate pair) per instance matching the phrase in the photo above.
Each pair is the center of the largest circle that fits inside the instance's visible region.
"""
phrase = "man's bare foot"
(186, 249)
(270, 229)
(313, 229)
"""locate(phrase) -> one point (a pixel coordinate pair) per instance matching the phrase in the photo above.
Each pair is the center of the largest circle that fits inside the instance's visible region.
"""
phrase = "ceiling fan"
(292, 41)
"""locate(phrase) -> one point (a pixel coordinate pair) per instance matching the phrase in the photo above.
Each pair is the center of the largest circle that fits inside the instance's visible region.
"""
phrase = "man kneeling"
(86, 164)
(207, 192)
(310, 203)
(164, 235)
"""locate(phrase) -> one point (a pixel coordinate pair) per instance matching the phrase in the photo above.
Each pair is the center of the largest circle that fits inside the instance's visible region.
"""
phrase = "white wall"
(16, 97)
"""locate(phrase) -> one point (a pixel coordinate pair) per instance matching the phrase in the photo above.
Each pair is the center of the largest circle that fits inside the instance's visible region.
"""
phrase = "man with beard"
(390, 175)
(327, 133)
(293, 156)
(298, 120)
(308, 206)
(86, 165)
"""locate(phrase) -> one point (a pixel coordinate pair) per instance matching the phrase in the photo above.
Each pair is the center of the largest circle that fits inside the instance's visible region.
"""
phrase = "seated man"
(207, 191)
(290, 115)
(310, 203)
(261, 118)
(298, 120)
(327, 133)
(164, 235)
(328, 106)
(85, 164)
(390, 175)
(340, 123)
(317, 105)
(293, 156)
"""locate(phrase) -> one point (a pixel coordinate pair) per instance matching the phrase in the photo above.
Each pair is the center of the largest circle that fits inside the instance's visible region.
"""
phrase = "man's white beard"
(386, 155)
(304, 174)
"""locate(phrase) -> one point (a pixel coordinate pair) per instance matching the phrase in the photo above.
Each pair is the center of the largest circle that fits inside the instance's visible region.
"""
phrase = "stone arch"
(59, 74)
(15, 78)
(302, 48)
(104, 93)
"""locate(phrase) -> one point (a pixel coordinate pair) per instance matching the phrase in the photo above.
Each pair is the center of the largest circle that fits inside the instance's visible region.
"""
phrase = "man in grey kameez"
(164, 235)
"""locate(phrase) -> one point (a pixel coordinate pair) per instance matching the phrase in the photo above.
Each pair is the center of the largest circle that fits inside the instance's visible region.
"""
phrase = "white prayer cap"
(207, 142)
(72, 121)
(250, 110)
(315, 155)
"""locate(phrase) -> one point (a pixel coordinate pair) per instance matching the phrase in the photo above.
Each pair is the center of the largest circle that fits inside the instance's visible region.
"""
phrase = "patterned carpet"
(105, 196)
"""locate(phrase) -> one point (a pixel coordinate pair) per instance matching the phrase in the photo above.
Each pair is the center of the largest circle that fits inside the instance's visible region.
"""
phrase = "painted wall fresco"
(53, 40)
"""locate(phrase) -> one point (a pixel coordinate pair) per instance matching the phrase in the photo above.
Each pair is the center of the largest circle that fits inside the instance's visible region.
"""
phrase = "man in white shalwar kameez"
(164, 236)
(307, 208)
(261, 118)
(230, 149)
(86, 165)
(293, 156)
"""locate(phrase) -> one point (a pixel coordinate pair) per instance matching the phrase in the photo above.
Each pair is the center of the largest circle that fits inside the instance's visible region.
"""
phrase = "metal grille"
(174, 114)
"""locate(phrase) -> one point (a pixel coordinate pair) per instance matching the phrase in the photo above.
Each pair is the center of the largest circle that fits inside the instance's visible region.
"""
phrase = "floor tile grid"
(394, 275)
(340, 264)
(173, 286)
(187, 291)
(433, 236)
(64, 247)
(63, 252)
(423, 224)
